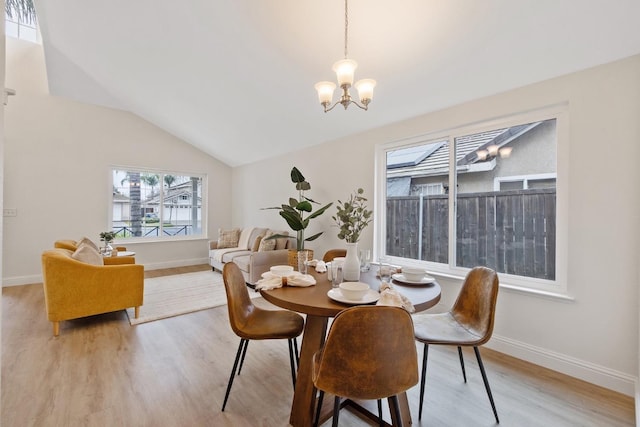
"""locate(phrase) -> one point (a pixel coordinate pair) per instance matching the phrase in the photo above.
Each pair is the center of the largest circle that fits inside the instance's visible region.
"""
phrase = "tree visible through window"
(501, 183)
(156, 204)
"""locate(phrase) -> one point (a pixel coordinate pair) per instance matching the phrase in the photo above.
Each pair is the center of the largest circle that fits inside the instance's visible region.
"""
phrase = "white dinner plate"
(399, 277)
(369, 297)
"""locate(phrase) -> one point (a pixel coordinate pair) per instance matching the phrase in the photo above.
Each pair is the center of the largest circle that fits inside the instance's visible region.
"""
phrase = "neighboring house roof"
(433, 159)
(173, 193)
(117, 197)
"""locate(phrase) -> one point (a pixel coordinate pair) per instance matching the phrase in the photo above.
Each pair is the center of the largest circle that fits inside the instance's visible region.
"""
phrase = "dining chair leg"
(233, 371)
(423, 379)
(319, 408)
(380, 420)
(295, 347)
(336, 411)
(464, 374)
(394, 408)
(486, 383)
(292, 360)
(244, 353)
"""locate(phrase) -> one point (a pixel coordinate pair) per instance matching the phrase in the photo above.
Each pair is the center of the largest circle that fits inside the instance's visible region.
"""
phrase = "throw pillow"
(281, 242)
(85, 253)
(267, 244)
(228, 238)
(88, 242)
(256, 243)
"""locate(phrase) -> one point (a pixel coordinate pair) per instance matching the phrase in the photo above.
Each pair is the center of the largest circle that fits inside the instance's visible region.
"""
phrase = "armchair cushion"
(85, 253)
(89, 242)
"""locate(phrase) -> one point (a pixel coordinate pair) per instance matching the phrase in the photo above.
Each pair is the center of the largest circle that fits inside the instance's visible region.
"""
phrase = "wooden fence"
(512, 232)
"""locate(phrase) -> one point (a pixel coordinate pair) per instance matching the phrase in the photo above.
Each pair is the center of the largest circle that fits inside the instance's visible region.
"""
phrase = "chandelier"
(344, 70)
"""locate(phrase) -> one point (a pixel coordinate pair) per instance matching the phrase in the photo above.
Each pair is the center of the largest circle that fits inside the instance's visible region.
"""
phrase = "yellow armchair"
(75, 289)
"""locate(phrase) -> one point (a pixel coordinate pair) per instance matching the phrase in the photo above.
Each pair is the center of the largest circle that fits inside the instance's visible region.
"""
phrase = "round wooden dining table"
(316, 304)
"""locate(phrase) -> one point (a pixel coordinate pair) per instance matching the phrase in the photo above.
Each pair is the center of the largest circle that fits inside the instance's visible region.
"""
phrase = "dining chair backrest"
(369, 353)
(332, 253)
(475, 306)
(238, 302)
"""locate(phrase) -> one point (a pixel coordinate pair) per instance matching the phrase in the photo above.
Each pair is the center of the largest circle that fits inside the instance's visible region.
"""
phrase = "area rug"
(170, 296)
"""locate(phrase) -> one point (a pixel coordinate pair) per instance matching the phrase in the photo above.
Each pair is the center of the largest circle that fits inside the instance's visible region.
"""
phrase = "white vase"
(351, 268)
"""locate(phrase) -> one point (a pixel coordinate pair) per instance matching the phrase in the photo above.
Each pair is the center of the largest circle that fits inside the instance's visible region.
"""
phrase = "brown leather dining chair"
(369, 353)
(253, 323)
(332, 253)
(469, 323)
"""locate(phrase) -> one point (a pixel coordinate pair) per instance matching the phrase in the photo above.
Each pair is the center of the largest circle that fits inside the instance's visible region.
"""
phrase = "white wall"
(58, 155)
(595, 336)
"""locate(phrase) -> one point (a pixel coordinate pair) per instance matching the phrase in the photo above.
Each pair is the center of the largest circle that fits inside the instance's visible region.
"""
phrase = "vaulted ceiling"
(235, 77)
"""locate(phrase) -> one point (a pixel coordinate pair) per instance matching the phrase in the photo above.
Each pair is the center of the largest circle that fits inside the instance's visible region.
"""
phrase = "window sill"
(543, 293)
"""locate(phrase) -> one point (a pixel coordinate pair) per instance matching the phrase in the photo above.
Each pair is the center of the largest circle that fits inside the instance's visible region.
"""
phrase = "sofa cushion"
(267, 244)
(281, 242)
(243, 261)
(230, 256)
(256, 244)
(88, 255)
(228, 238)
(243, 240)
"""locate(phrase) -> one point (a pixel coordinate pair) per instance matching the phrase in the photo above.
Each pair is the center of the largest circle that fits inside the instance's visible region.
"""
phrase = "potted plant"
(299, 212)
(352, 218)
(107, 237)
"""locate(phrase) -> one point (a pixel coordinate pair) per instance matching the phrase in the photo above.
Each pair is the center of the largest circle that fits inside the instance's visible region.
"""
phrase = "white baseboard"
(637, 403)
(21, 280)
(176, 263)
(577, 368)
(37, 278)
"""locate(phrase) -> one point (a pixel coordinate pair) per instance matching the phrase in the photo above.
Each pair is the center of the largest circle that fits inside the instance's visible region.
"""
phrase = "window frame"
(203, 235)
(553, 288)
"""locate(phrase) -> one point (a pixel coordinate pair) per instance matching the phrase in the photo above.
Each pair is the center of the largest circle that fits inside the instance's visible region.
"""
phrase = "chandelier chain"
(346, 28)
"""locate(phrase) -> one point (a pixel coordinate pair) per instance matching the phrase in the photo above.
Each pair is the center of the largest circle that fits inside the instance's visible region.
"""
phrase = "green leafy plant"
(353, 216)
(107, 236)
(298, 212)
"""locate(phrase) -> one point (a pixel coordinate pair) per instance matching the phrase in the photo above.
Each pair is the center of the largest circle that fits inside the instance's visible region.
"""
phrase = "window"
(21, 26)
(153, 204)
(477, 195)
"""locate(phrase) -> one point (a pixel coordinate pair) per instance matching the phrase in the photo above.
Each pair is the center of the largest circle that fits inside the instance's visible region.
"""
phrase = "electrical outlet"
(9, 212)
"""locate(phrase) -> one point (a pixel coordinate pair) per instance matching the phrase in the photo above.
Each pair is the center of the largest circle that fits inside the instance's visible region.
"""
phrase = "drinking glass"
(303, 261)
(384, 270)
(365, 260)
(336, 273)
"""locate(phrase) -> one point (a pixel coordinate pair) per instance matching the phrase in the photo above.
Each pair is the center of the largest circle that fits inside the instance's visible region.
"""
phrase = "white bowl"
(354, 290)
(413, 274)
(281, 270)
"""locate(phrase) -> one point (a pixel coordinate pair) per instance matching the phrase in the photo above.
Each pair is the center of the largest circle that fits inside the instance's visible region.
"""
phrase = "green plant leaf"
(303, 186)
(293, 220)
(296, 176)
(320, 211)
(314, 237)
(304, 206)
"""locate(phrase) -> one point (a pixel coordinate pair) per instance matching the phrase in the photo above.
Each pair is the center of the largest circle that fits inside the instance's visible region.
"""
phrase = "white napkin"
(269, 282)
(301, 280)
(391, 296)
(320, 265)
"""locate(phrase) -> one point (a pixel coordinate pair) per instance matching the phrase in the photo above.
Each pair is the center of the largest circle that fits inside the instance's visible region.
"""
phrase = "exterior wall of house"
(593, 335)
(58, 159)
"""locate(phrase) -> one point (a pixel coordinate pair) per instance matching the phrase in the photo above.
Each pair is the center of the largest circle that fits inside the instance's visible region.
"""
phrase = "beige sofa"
(252, 262)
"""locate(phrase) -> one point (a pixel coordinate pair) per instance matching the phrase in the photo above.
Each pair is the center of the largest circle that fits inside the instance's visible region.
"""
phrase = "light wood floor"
(101, 371)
